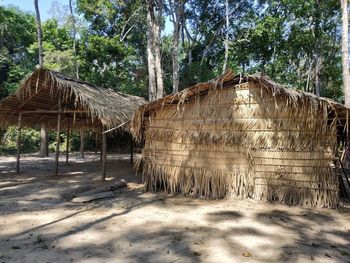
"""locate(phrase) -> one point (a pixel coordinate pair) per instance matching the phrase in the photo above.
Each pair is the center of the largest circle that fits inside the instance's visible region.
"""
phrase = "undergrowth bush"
(117, 141)
(30, 141)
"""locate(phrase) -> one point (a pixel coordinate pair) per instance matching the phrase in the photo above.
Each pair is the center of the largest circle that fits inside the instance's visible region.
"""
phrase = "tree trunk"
(156, 87)
(152, 86)
(44, 144)
(39, 34)
(318, 73)
(82, 155)
(224, 67)
(158, 62)
(318, 55)
(189, 41)
(345, 51)
(176, 13)
(74, 40)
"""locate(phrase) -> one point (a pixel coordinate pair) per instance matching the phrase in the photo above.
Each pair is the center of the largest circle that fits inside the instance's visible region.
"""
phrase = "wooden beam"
(116, 127)
(131, 149)
(53, 111)
(28, 99)
(58, 135)
(104, 155)
(67, 143)
(18, 143)
(52, 108)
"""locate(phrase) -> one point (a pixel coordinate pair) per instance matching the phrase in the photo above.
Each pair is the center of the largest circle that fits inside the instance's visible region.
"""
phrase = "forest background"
(152, 48)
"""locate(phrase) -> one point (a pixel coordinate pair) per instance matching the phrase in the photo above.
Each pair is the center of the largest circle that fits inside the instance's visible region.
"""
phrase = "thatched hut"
(242, 136)
(59, 102)
(83, 105)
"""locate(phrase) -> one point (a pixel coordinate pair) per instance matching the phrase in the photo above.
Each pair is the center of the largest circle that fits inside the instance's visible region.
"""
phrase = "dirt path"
(38, 223)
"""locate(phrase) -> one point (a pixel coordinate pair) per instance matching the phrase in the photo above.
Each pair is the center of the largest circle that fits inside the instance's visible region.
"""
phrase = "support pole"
(18, 142)
(58, 135)
(96, 141)
(101, 145)
(104, 155)
(68, 138)
(131, 149)
(82, 156)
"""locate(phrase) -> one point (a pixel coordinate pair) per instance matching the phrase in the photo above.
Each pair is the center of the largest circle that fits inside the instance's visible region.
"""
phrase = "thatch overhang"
(293, 98)
(83, 105)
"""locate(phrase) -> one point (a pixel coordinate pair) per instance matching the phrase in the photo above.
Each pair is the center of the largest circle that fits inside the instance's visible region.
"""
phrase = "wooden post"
(82, 144)
(101, 145)
(58, 135)
(18, 142)
(104, 155)
(44, 144)
(96, 141)
(131, 149)
(68, 138)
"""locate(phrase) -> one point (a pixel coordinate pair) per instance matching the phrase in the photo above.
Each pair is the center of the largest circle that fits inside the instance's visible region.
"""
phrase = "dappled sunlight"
(74, 173)
(39, 221)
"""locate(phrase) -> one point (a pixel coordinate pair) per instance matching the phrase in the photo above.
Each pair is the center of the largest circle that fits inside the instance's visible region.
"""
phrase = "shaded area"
(38, 223)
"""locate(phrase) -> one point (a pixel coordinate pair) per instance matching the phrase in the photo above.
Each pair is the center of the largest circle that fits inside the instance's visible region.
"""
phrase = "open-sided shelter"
(59, 102)
(242, 136)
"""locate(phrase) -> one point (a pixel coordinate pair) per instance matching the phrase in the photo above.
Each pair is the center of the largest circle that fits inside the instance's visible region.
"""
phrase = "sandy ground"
(39, 223)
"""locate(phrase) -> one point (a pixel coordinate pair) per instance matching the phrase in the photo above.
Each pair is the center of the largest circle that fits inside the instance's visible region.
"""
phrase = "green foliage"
(30, 141)
(113, 45)
(17, 33)
(276, 38)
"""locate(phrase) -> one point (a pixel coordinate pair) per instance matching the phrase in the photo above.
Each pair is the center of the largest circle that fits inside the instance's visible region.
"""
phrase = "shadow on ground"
(38, 223)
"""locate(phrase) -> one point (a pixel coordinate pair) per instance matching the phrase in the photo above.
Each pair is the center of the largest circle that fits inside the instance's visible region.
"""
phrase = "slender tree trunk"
(39, 33)
(44, 143)
(345, 51)
(318, 55)
(155, 75)
(318, 88)
(74, 40)
(176, 12)
(224, 67)
(157, 52)
(152, 86)
(189, 40)
(82, 155)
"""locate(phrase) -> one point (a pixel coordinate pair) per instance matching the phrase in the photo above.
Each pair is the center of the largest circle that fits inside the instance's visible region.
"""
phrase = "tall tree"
(17, 35)
(113, 44)
(345, 51)
(176, 11)
(227, 25)
(39, 34)
(74, 39)
(152, 84)
(82, 141)
(44, 144)
(318, 51)
(155, 73)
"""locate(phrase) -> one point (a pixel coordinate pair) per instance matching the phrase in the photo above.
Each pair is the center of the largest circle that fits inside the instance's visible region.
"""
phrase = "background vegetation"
(295, 42)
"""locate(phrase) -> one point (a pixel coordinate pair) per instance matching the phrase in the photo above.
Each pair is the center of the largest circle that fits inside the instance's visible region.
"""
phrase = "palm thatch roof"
(242, 136)
(82, 104)
(293, 97)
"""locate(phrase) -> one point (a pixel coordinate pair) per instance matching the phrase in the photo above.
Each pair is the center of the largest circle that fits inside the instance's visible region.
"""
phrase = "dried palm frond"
(243, 137)
(42, 90)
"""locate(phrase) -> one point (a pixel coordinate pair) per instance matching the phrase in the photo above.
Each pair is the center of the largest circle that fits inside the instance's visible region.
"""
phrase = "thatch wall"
(241, 140)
